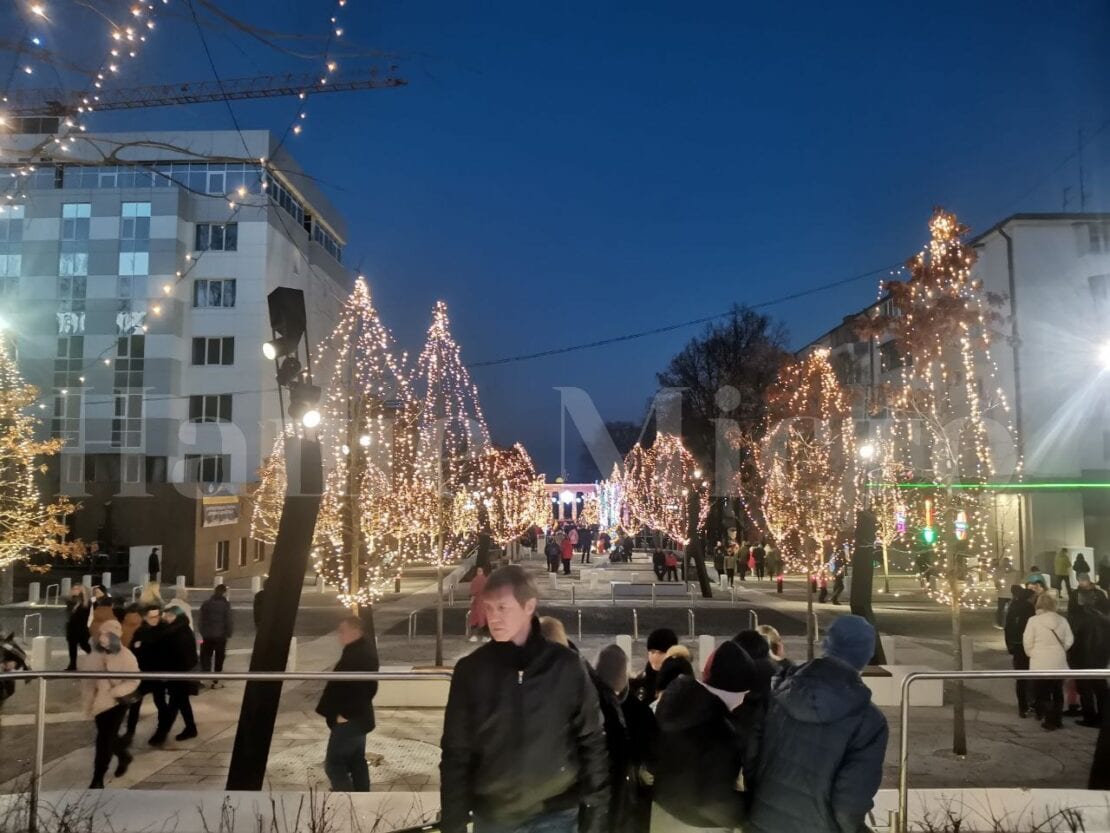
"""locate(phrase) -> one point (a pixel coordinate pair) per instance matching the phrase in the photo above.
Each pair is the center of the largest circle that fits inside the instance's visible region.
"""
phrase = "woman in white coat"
(107, 700)
(1046, 640)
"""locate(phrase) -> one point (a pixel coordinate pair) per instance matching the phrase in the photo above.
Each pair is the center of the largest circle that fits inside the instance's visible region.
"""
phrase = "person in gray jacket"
(821, 756)
(215, 626)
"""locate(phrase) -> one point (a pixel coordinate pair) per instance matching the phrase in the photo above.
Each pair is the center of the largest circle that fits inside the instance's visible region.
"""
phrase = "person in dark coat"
(1089, 618)
(12, 658)
(659, 641)
(216, 626)
(552, 551)
(147, 648)
(700, 753)
(259, 600)
(760, 555)
(178, 649)
(1018, 614)
(153, 565)
(348, 709)
(821, 755)
(77, 623)
(523, 745)
(610, 678)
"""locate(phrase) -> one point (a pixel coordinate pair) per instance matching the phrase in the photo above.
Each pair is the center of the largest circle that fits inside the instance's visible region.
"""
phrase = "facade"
(133, 279)
(1051, 360)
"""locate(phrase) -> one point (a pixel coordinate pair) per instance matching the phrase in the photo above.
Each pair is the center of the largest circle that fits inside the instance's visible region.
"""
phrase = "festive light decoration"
(941, 320)
(27, 525)
(508, 497)
(590, 513)
(609, 501)
(361, 530)
(657, 484)
(268, 495)
(806, 462)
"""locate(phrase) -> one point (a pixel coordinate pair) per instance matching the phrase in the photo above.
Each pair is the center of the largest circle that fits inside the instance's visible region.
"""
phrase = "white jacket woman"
(1047, 636)
(102, 694)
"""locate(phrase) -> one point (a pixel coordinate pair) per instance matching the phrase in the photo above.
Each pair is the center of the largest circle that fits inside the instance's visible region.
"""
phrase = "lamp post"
(863, 557)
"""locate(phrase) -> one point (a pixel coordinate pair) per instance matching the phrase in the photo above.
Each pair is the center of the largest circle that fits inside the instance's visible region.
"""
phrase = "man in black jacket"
(348, 709)
(523, 746)
(215, 624)
(1018, 614)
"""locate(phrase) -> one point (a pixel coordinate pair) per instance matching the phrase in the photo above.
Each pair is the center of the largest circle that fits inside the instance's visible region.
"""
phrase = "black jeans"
(1050, 700)
(672, 574)
(157, 692)
(1092, 697)
(1022, 687)
(759, 569)
(210, 648)
(345, 759)
(108, 740)
(731, 577)
(566, 566)
(178, 694)
(73, 646)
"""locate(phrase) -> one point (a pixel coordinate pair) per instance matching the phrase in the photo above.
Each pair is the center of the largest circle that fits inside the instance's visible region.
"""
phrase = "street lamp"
(866, 451)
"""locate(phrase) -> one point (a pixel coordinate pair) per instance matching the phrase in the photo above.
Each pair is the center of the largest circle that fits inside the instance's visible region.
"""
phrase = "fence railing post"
(37, 766)
(690, 622)
(579, 626)
(635, 624)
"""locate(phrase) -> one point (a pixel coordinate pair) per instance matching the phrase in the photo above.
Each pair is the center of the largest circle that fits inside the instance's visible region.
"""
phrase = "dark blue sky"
(565, 172)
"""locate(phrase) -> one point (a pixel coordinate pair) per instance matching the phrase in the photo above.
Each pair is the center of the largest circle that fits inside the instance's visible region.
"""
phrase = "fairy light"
(656, 485)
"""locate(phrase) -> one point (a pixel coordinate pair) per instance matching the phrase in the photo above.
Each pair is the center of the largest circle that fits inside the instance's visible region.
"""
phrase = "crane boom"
(58, 103)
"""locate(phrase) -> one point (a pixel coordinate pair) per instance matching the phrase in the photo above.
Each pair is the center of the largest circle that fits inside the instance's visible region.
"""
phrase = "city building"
(133, 278)
(1051, 350)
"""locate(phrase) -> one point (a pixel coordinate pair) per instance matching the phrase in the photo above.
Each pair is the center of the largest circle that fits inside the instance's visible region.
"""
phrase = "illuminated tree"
(268, 496)
(367, 432)
(806, 462)
(507, 492)
(940, 320)
(28, 526)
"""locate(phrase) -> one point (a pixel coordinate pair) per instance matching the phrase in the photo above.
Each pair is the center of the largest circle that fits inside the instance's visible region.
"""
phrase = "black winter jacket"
(1018, 613)
(522, 736)
(178, 646)
(699, 756)
(77, 622)
(215, 620)
(821, 756)
(147, 647)
(352, 701)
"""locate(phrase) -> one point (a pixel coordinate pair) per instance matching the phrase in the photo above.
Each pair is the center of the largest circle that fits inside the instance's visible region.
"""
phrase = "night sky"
(561, 173)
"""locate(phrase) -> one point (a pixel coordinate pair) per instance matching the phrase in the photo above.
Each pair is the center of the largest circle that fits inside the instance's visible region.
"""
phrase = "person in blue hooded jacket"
(821, 757)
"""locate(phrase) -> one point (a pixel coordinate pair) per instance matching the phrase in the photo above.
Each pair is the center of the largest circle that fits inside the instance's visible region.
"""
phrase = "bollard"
(579, 626)
(33, 593)
(572, 594)
(87, 581)
(690, 622)
(40, 653)
(180, 581)
(633, 578)
(256, 584)
(653, 594)
(635, 624)
(67, 588)
(291, 663)
(706, 646)
(888, 649)
(968, 646)
(106, 580)
(321, 586)
(816, 630)
(625, 643)
(554, 581)
(593, 581)
(753, 620)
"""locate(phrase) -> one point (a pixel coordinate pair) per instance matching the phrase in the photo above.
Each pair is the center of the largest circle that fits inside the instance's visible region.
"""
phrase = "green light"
(929, 535)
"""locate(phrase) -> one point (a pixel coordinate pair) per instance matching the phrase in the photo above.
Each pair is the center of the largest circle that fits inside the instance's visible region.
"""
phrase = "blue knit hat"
(851, 639)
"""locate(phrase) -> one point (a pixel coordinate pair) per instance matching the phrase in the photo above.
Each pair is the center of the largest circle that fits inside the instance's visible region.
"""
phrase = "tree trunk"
(366, 616)
(959, 730)
(863, 577)
(811, 637)
(693, 550)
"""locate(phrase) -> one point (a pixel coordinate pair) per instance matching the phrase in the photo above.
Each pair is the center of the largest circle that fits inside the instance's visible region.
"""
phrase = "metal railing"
(901, 823)
(57, 588)
(192, 676)
(26, 619)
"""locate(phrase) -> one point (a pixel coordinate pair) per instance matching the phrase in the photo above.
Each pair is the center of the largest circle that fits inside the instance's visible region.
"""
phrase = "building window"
(73, 466)
(214, 293)
(134, 239)
(330, 244)
(11, 247)
(127, 387)
(891, 358)
(214, 350)
(216, 237)
(207, 468)
(66, 425)
(155, 469)
(244, 548)
(132, 468)
(72, 292)
(285, 200)
(70, 362)
(73, 257)
(223, 556)
(210, 408)
(1098, 237)
(259, 550)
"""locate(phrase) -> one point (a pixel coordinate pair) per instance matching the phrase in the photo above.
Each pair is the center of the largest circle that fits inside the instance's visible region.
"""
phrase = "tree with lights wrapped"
(806, 463)
(28, 526)
(268, 495)
(664, 491)
(367, 432)
(507, 492)
(940, 320)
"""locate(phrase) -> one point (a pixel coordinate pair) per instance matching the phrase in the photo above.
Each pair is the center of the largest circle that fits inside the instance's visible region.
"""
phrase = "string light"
(656, 485)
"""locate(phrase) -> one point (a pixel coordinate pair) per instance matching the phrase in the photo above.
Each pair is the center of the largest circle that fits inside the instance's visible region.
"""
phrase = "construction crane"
(57, 103)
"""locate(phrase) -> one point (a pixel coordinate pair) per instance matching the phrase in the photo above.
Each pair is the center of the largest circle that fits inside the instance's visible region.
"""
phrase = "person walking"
(1089, 619)
(102, 611)
(1061, 578)
(774, 565)
(77, 623)
(841, 567)
(153, 565)
(348, 708)
(476, 619)
(178, 648)
(1046, 640)
(146, 647)
(553, 552)
(743, 556)
(131, 622)
(821, 755)
(701, 753)
(106, 700)
(760, 556)
(258, 603)
(670, 562)
(730, 564)
(1080, 566)
(585, 543)
(216, 625)
(567, 551)
(1018, 614)
(523, 745)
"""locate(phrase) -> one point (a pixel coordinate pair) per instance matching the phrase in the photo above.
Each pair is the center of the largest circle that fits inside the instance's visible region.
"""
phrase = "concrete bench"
(411, 694)
(648, 590)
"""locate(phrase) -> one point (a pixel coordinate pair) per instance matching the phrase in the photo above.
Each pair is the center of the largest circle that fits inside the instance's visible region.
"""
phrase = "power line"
(681, 324)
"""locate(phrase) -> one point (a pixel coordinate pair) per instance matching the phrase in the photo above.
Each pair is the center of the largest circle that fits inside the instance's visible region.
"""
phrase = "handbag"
(130, 699)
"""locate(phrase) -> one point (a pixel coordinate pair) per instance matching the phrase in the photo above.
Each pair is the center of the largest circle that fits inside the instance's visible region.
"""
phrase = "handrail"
(32, 616)
(263, 676)
(902, 822)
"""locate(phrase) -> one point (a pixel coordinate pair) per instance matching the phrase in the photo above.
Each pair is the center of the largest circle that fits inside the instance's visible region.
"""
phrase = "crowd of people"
(535, 738)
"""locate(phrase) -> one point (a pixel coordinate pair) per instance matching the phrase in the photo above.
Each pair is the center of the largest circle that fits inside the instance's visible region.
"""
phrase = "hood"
(687, 703)
(822, 691)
